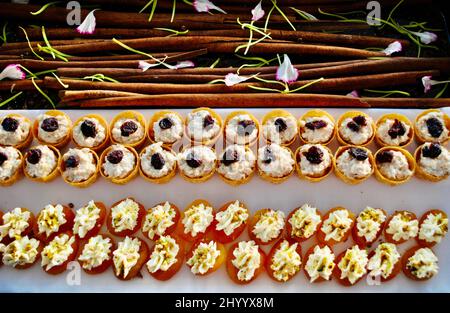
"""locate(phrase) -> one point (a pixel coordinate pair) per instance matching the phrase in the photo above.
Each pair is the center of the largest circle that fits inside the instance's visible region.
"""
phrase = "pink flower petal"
(257, 12)
(12, 71)
(427, 83)
(353, 94)
(88, 25)
(426, 37)
(232, 79)
(145, 65)
(206, 5)
(396, 46)
(286, 72)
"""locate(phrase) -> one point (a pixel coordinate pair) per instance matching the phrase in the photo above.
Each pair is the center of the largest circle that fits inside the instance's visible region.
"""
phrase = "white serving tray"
(416, 195)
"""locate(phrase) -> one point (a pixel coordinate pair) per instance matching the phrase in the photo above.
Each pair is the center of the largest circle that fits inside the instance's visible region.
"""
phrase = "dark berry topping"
(3, 158)
(34, 156)
(245, 128)
(360, 120)
(157, 161)
(358, 153)
(128, 128)
(71, 205)
(165, 123)
(229, 157)
(281, 125)
(432, 151)
(10, 124)
(115, 156)
(435, 127)
(50, 124)
(72, 161)
(268, 156)
(314, 155)
(208, 122)
(316, 124)
(397, 129)
(193, 161)
(385, 157)
(88, 129)
(353, 126)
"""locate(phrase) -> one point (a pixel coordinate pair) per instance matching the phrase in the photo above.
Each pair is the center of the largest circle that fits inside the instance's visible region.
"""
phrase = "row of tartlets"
(204, 126)
(197, 237)
(236, 165)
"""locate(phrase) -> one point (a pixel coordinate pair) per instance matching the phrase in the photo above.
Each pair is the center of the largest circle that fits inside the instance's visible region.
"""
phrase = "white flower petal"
(184, 64)
(145, 65)
(426, 37)
(257, 12)
(353, 94)
(286, 72)
(88, 25)
(427, 82)
(232, 79)
(396, 46)
(12, 71)
(206, 5)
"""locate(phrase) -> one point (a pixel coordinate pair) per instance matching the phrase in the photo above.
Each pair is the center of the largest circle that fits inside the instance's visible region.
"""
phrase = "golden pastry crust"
(314, 179)
(394, 116)
(126, 179)
(252, 117)
(61, 143)
(102, 122)
(274, 114)
(317, 113)
(206, 142)
(421, 173)
(411, 162)
(420, 139)
(351, 180)
(24, 144)
(50, 176)
(87, 182)
(158, 115)
(130, 115)
(17, 174)
(351, 114)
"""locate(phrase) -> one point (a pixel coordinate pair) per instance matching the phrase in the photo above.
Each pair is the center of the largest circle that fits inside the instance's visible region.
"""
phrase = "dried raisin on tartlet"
(119, 164)
(241, 128)
(15, 131)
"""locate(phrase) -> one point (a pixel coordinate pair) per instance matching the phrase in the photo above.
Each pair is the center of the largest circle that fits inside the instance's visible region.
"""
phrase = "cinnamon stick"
(20, 85)
(71, 95)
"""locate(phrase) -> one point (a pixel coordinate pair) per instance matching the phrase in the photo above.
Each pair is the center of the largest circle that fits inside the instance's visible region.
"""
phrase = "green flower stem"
(10, 99)
(274, 2)
(44, 7)
(43, 93)
(60, 81)
(173, 32)
(440, 93)
(29, 44)
(215, 63)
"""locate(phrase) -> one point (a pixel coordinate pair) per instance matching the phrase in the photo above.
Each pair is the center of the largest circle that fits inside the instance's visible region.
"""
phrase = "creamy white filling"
(204, 257)
(195, 129)
(320, 135)
(242, 168)
(283, 162)
(164, 254)
(422, 127)
(64, 125)
(353, 264)
(124, 167)
(397, 169)
(57, 251)
(50, 219)
(232, 133)
(432, 229)
(89, 142)
(126, 255)
(231, 218)
(169, 135)
(21, 251)
(170, 161)
(158, 219)
(368, 223)
(11, 164)
(383, 133)
(351, 167)
(8, 138)
(311, 169)
(439, 166)
(423, 263)
(95, 252)
(304, 222)
(86, 219)
(269, 226)
(204, 154)
(116, 132)
(46, 165)
(86, 165)
(124, 215)
(197, 218)
(383, 261)
(403, 226)
(356, 138)
(272, 133)
(285, 261)
(247, 259)
(336, 225)
(14, 223)
(320, 263)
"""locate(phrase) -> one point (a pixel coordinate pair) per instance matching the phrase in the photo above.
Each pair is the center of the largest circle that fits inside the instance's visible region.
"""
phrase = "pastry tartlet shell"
(252, 117)
(327, 172)
(240, 181)
(351, 114)
(411, 162)
(277, 180)
(394, 116)
(102, 122)
(210, 141)
(159, 180)
(129, 115)
(126, 179)
(87, 182)
(29, 139)
(279, 113)
(202, 178)
(158, 115)
(420, 139)
(16, 175)
(62, 143)
(351, 180)
(50, 176)
(317, 113)
(421, 173)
